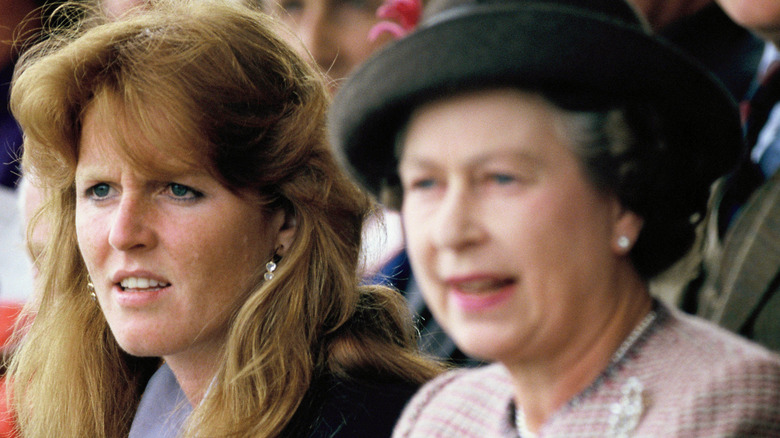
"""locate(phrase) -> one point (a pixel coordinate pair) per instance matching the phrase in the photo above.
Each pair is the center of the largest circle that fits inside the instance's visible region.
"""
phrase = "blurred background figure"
(739, 286)
(732, 53)
(334, 32)
(704, 31)
(12, 14)
(19, 19)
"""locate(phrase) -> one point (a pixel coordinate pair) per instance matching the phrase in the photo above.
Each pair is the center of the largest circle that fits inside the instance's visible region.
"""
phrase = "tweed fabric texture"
(696, 380)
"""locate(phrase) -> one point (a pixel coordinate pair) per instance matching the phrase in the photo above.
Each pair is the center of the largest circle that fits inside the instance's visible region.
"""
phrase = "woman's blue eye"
(100, 190)
(503, 179)
(184, 192)
(179, 190)
(424, 184)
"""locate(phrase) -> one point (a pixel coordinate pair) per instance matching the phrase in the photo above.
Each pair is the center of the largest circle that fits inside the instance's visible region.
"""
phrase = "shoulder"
(359, 408)
(708, 345)
(709, 381)
(464, 402)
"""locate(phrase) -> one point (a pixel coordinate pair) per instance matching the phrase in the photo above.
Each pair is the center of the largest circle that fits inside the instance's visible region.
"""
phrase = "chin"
(139, 345)
(485, 347)
(139, 350)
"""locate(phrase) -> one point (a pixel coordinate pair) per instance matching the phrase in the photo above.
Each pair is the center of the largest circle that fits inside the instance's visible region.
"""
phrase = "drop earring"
(271, 266)
(623, 242)
(91, 288)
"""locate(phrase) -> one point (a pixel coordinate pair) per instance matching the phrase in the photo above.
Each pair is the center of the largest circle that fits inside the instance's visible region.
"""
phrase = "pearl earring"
(623, 242)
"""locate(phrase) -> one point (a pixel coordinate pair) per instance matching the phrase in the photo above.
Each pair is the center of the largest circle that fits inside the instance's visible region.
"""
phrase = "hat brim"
(528, 45)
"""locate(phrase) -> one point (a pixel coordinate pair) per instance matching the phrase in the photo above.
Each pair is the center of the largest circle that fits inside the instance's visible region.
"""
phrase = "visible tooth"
(141, 283)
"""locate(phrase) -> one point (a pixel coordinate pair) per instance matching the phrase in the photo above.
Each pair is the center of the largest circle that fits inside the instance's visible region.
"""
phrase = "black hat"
(574, 49)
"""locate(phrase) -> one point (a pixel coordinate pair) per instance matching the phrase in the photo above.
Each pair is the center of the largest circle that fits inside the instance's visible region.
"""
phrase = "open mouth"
(141, 284)
(483, 286)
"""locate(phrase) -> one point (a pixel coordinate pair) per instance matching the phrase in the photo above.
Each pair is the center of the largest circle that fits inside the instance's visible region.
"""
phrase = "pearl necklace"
(639, 330)
(522, 427)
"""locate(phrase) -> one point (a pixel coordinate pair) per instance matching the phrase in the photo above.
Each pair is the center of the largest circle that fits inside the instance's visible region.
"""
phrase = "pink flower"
(407, 12)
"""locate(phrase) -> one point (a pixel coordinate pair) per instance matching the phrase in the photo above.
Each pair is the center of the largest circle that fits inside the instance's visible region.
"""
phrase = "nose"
(456, 221)
(132, 226)
(317, 33)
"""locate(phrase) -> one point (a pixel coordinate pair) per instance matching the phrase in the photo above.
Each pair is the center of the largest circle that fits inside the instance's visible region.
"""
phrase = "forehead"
(149, 137)
(482, 123)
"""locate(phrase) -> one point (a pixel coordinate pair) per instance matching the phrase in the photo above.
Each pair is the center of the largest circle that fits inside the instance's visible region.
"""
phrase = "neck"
(661, 13)
(194, 374)
(542, 387)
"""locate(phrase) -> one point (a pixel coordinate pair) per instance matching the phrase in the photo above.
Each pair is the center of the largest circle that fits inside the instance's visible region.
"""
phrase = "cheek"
(567, 245)
(246, 256)
(414, 229)
(88, 233)
(235, 254)
(540, 233)
(422, 257)
(423, 263)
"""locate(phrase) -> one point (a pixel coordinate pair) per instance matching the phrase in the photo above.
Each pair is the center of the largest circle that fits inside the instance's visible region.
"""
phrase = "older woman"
(548, 159)
(200, 277)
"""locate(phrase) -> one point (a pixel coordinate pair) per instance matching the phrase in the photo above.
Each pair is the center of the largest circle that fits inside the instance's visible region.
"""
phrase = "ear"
(286, 224)
(627, 226)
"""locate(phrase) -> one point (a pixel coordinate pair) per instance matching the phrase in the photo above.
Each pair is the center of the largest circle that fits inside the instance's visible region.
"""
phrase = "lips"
(487, 285)
(481, 293)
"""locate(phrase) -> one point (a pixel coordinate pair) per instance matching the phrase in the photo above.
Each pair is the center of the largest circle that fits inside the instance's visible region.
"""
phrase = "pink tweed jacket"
(683, 378)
